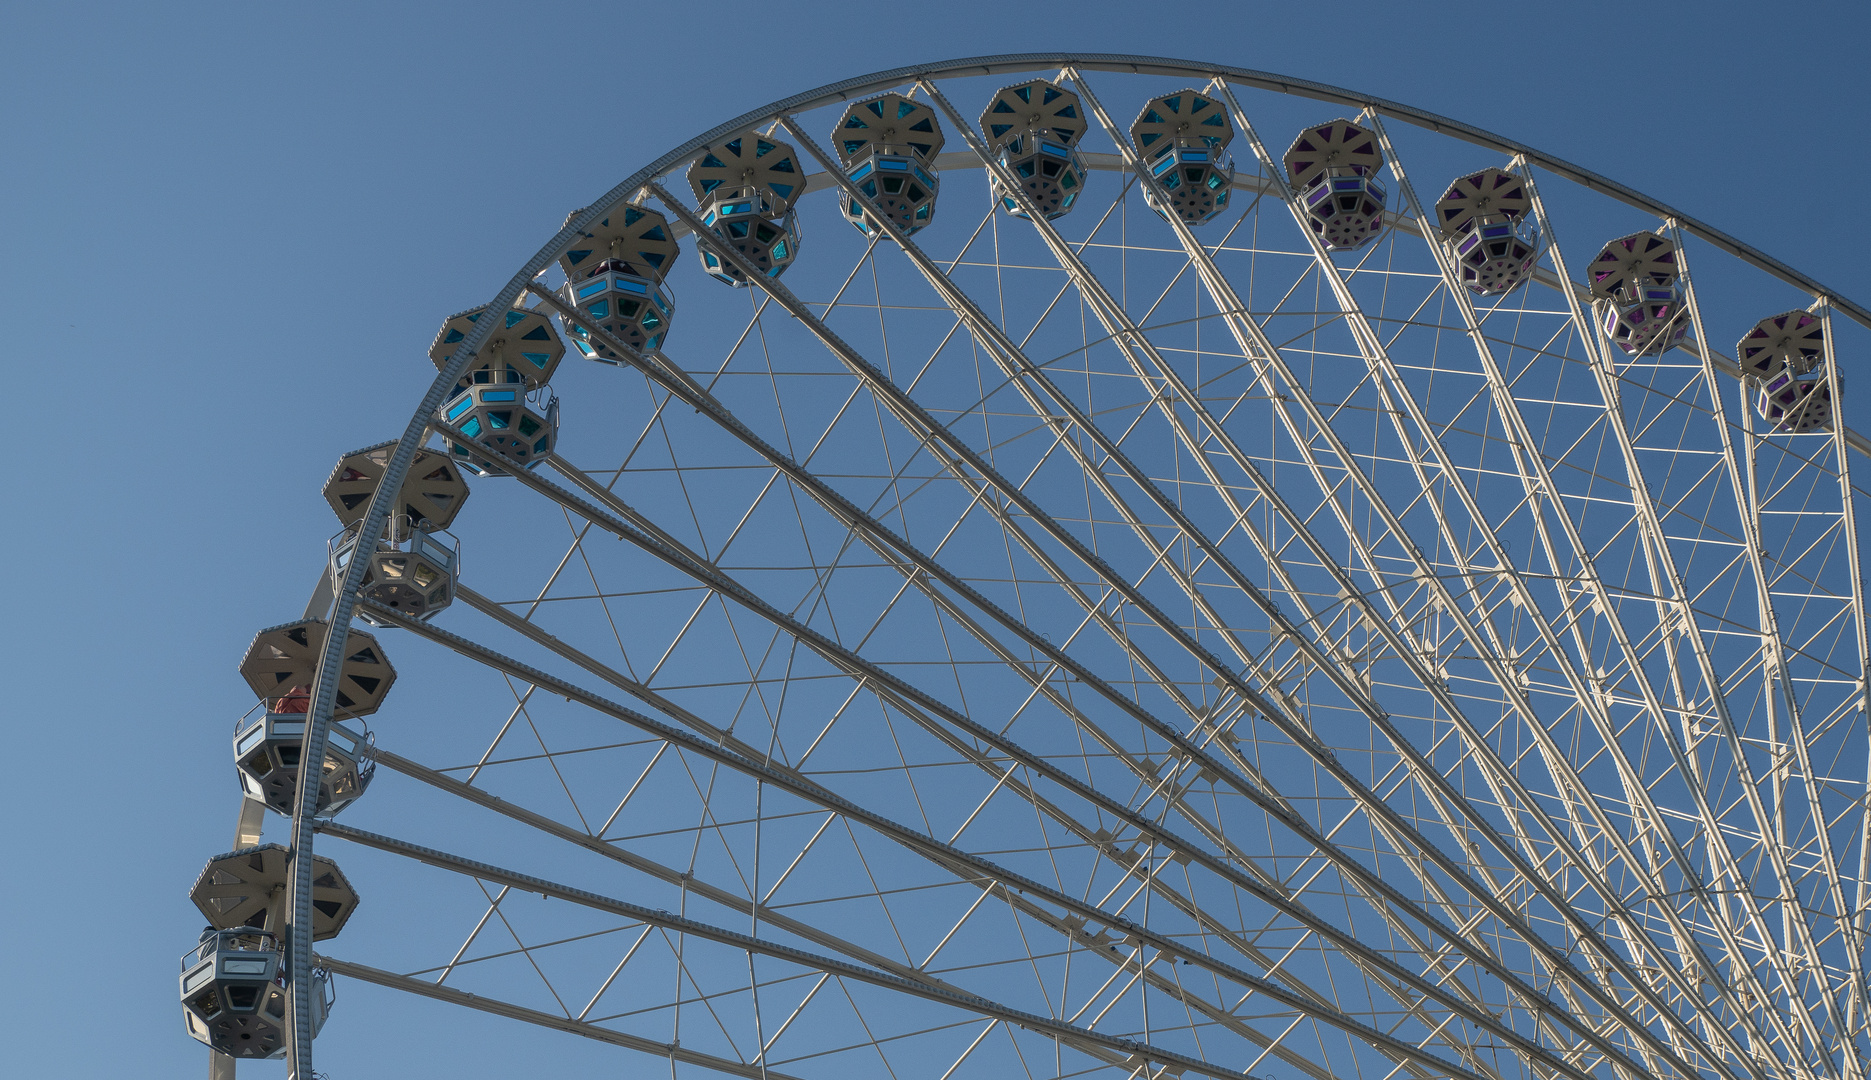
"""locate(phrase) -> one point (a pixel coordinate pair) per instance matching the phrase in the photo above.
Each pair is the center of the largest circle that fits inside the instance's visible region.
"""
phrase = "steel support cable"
(1060, 1030)
(936, 849)
(615, 851)
(537, 634)
(1122, 330)
(1253, 343)
(1160, 834)
(1374, 350)
(1525, 447)
(818, 936)
(1017, 368)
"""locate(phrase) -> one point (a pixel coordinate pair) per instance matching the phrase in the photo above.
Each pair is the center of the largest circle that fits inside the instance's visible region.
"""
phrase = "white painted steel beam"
(915, 700)
(999, 878)
(761, 912)
(912, 415)
(1377, 357)
(1539, 484)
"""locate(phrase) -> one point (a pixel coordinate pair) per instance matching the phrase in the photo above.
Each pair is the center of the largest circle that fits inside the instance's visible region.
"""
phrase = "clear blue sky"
(230, 230)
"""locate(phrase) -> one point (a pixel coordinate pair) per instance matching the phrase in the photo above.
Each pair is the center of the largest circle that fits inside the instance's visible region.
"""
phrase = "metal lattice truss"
(1097, 647)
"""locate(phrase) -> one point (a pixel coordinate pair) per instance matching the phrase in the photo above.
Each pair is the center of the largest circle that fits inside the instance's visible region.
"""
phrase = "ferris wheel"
(1088, 565)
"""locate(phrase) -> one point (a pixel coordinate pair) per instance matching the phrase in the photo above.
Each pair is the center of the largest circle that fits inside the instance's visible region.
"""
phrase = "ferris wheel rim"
(844, 90)
(1014, 63)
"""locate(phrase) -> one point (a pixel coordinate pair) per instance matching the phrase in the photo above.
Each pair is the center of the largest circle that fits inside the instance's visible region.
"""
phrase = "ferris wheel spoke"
(770, 288)
(764, 913)
(727, 898)
(1425, 435)
(1849, 600)
(1082, 912)
(960, 616)
(930, 427)
(483, 1003)
(717, 1000)
(1237, 306)
(1324, 677)
(761, 911)
(1669, 586)
(1445, 895)
(1631, 781)
(1085, 831)
(1859, 1009)
(1537, 480)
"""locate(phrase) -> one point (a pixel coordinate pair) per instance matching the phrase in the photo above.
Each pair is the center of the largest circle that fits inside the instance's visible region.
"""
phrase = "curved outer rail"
(299, 1034)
